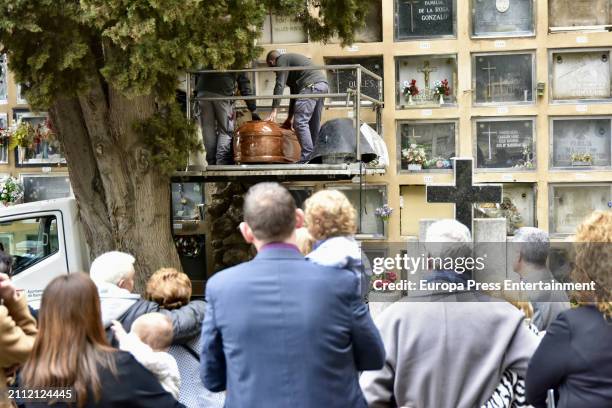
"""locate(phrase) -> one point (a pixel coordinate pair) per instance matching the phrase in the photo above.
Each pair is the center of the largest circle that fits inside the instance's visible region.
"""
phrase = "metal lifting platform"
(352, 99)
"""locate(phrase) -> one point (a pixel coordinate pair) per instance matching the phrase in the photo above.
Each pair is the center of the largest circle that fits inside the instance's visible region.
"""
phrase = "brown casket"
(265, 142)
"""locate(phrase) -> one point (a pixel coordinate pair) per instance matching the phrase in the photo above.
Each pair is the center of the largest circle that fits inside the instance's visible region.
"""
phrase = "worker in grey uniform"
(305, 113)
(217, 118)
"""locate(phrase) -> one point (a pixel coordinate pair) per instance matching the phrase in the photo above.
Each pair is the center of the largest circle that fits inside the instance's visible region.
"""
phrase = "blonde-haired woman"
(575, 358)
(331, 221)
(171, 289)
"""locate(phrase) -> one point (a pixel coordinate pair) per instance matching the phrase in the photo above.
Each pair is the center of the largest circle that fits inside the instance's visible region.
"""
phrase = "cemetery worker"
(281, 331)
(447, 349)
(217, 117)
(574, 357)
(305, 113)
(17, 333)
(532, 246)
(113, 273)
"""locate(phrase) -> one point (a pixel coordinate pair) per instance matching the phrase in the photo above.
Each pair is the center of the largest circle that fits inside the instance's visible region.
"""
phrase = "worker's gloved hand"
(255, 116)
(286, 124)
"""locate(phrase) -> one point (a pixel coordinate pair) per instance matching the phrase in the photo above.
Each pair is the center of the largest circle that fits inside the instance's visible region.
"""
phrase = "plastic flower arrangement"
(410, 89)
(11, 191)
(23, 135)
(384, 212)
(414, 154)
(582, 157)
(442, 88)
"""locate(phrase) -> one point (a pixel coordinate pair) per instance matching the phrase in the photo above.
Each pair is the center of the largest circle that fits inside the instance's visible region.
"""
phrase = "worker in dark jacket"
(217, 117)
(305, 113)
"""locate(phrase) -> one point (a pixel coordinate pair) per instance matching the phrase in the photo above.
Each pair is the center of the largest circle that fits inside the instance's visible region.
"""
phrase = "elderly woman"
(171, 289)
(574, 357)
(330, 219)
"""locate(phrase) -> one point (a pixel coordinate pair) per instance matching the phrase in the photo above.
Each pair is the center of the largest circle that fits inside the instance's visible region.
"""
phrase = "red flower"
(392, 276)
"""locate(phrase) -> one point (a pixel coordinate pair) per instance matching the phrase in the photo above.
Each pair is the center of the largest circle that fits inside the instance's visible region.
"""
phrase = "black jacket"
(295, 80)
(133, 387)
(575, 359)
(224, 84)
(186, 321)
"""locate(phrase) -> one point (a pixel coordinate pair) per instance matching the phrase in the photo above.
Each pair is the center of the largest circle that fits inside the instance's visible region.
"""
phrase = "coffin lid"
(337, 138)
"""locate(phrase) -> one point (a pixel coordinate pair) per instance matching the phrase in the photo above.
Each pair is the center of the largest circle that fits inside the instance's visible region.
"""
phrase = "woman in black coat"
(575, 356)
(71, 351)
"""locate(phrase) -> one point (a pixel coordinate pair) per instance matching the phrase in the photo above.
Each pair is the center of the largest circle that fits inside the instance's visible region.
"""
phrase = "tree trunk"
(124, 202)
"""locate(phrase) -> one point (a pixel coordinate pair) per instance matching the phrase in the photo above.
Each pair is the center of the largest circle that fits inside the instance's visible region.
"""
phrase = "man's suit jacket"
(283, 332)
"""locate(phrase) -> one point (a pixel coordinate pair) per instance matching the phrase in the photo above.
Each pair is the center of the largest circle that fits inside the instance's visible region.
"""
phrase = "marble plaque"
(342, 79)
(503, 78)
(580, 136)
(577, 13)
(514, 17)
(3, 79)
(426, 70)
(424, 18)
(581, 75)
(372, 197)
(572, 204)
(438, 140)
(186, 197)
(505, 144)
(282, 30)
(37, 188)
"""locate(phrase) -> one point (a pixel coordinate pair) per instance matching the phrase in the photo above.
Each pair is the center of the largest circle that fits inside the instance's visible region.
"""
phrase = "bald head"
(272, 57)
(269, 211)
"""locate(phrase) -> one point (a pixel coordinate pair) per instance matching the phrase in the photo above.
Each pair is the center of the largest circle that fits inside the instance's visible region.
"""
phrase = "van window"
(29, 240)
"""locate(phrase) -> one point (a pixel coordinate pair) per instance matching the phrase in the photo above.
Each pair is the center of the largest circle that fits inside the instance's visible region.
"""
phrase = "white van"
(45, 239)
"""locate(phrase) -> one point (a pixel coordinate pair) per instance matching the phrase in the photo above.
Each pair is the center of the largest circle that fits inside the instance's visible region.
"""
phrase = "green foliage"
(170, 137)
(139, 47)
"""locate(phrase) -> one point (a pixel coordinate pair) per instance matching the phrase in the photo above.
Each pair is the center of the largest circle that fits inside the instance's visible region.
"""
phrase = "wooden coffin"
(265, 142)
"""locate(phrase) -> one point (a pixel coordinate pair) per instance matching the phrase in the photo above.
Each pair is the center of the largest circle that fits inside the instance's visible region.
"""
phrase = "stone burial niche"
(503, 78)
(580, 75)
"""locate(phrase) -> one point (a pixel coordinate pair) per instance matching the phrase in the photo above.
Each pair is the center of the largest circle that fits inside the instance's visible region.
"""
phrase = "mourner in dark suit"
(279, 330)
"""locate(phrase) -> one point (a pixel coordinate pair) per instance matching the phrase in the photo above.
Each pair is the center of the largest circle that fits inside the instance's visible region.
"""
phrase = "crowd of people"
(290, 328)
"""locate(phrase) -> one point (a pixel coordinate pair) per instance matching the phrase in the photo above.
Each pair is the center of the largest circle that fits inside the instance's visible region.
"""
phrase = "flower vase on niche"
(45, 149)
(410, 89)
(441, 88)
(22, 151)
(441, 100)
(410, 101)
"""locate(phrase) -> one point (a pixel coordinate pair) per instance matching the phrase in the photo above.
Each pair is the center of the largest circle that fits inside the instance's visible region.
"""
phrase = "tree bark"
(124, 202)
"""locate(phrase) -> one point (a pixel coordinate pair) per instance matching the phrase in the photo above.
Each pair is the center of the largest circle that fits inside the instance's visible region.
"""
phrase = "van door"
(36, 244)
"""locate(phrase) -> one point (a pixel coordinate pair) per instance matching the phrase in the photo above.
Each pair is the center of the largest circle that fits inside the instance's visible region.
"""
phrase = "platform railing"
(355, 95)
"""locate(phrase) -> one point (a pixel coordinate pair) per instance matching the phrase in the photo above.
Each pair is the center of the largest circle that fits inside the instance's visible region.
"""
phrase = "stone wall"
(225, 214)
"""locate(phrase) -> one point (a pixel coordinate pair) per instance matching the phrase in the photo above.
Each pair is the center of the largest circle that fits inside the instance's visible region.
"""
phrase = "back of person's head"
(448, 239)
(272, 57)
(112, 267)
(270, 211)
(593, 259)
(304, 240)
(169, 288)
(155, 330)
(533, 245)
(71, 346)
(329, 214)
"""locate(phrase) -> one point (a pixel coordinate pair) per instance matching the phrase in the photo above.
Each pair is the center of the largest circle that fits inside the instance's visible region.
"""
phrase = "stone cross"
(426, 70)
(411, 3)
(488, 69)
(463, 193)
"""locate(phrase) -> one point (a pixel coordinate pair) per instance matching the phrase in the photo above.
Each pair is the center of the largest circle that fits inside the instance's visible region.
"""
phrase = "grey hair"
(534, 244)
(269, 210)
(448, 239)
